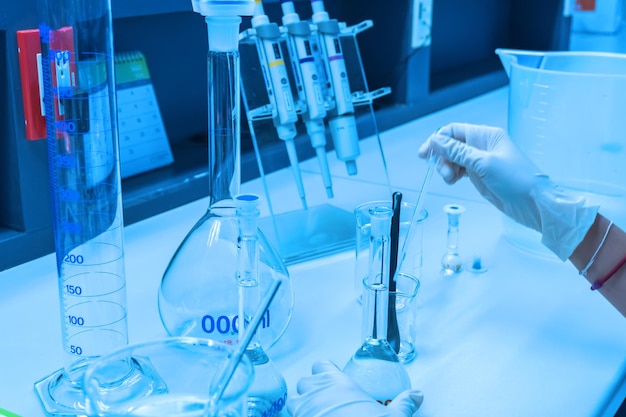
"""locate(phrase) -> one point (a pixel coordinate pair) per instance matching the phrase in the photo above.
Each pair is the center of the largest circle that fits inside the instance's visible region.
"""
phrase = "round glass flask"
(375, 366)
(198, 295)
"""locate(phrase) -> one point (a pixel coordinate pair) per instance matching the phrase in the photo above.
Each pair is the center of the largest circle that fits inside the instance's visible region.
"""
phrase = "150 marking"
(73, 289)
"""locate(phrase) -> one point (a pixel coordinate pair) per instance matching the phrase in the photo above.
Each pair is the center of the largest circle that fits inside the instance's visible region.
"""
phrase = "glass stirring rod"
(431, 160)
(221, 379)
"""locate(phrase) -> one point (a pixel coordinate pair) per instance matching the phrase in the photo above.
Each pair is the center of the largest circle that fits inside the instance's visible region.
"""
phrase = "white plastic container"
(567, 113)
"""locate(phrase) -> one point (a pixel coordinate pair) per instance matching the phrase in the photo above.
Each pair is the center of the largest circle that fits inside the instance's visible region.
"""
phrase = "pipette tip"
(329, 192)
(351, 167)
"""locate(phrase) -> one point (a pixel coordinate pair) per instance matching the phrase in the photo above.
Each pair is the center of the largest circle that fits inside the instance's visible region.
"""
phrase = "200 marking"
(74, 259)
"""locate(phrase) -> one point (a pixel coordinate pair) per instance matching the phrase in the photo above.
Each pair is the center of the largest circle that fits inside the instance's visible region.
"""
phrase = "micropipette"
(341, 118)
(278, 87)
(309, 85)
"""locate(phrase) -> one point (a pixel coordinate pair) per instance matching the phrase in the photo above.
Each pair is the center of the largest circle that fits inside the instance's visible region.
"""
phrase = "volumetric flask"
(79, 99)
(182, 374)
(199, 294)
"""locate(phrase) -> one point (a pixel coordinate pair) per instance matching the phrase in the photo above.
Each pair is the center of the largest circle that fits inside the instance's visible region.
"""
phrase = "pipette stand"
(323, 223)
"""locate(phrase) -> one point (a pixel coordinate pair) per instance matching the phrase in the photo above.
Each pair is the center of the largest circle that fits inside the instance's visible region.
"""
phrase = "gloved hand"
(512, 183)
(328, 392)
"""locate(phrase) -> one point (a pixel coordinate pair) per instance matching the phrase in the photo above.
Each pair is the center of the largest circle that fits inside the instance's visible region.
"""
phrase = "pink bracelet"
(597, 284)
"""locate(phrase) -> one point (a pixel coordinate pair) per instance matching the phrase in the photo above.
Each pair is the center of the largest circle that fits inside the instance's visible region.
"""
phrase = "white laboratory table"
(526, 338)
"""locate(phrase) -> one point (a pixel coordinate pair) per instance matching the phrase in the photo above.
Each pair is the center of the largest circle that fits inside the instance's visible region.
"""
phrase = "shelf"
(134, 8)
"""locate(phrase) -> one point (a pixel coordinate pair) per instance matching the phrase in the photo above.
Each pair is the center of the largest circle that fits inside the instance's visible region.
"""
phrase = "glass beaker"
(199, 295)
(566, 114)
(79, 97)
(412, 263)
(375, 366)
(182, 372)
(406, 309)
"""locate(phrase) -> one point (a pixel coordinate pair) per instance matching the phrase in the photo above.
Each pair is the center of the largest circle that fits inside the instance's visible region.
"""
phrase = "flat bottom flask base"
(59, 397)
(261, 407)
(267, 396)
(380, 378)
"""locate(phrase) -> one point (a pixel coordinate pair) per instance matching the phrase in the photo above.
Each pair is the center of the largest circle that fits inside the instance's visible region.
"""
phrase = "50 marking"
(76, 350)
(63, 92)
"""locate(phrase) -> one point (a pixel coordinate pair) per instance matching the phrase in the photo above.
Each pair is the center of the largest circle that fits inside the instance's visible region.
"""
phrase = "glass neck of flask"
(248, 267)
(453, 232)
(224, 122)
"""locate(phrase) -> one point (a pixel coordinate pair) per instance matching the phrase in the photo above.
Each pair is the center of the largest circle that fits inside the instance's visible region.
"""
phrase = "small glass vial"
(451, 261)
(375, 365)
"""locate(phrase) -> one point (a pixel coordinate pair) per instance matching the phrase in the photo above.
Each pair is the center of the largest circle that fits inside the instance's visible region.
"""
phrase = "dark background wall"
(459, 63)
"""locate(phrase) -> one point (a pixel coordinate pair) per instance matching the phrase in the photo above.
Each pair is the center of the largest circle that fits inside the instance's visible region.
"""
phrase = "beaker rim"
(591, 70)
(404, 294)
(160, 346)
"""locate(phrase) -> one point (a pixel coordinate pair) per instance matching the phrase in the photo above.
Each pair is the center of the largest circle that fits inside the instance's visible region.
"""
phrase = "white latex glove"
(512, 183)
(328, 392)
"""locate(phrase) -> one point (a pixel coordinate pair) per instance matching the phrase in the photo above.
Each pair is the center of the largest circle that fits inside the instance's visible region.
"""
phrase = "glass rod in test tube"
(278, 87)
(341, 118)
(309, 85)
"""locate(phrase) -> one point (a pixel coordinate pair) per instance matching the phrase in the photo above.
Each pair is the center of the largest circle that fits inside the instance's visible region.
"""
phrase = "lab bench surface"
(525, 338)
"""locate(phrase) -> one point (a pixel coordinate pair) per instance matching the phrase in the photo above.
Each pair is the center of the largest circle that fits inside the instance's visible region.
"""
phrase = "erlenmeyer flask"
(198, 295)
(375, 365)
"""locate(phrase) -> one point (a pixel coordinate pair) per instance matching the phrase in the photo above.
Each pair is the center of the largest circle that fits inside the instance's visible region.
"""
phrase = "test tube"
(82, 138)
